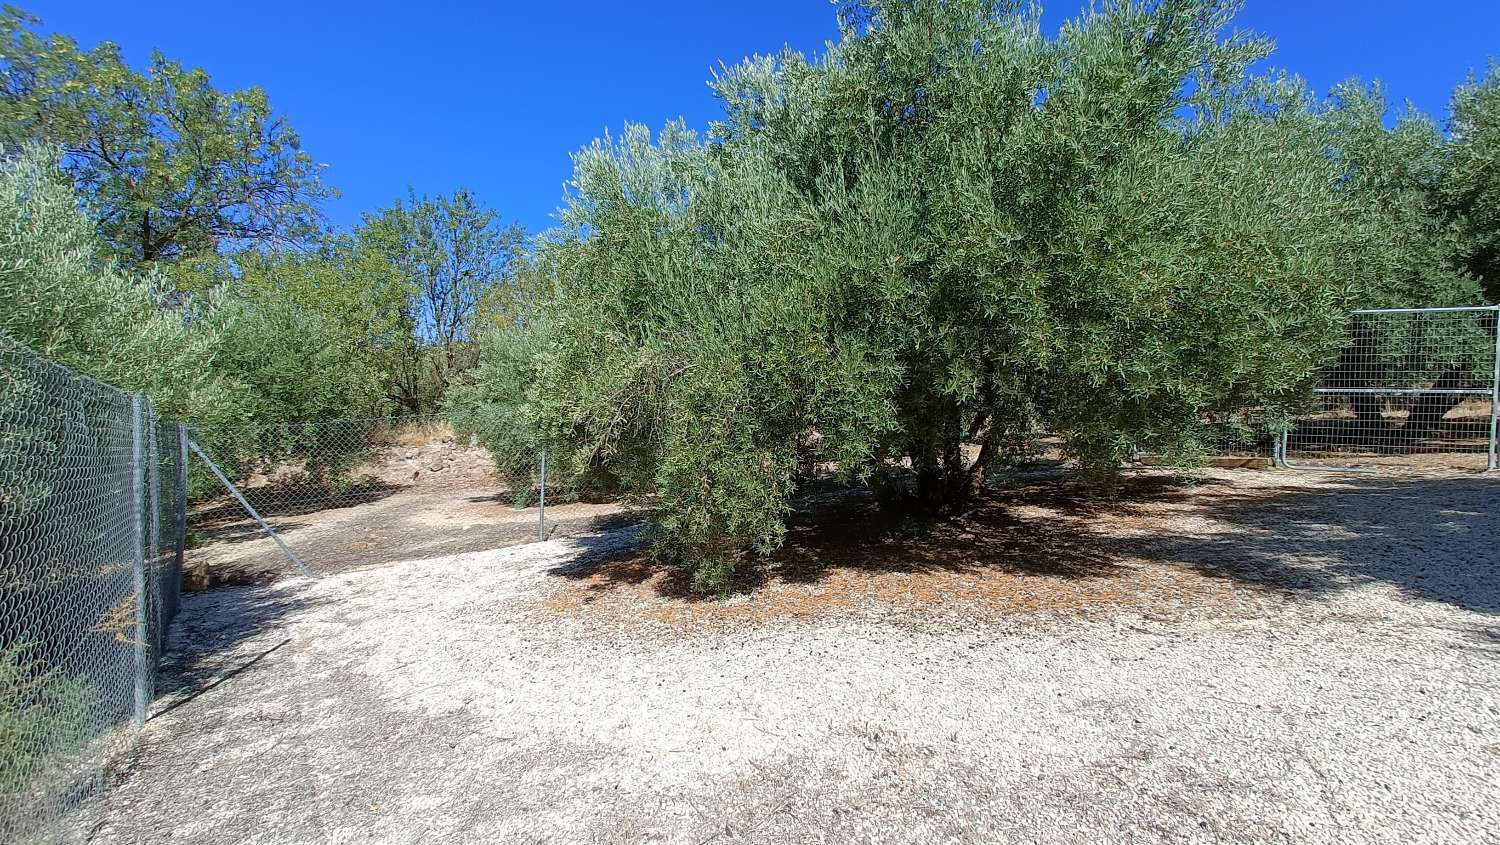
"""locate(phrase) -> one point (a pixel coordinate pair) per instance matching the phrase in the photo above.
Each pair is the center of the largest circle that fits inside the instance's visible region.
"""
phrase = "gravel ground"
(1352, 694)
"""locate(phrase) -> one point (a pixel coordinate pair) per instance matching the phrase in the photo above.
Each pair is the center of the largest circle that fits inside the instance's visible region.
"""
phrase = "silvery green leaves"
(902, 260)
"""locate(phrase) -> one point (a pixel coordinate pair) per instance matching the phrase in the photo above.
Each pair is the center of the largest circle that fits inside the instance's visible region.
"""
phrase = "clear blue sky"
(495, 95)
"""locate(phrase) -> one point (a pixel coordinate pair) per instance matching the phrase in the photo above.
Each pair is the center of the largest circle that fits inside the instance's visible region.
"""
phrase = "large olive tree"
(949, 232)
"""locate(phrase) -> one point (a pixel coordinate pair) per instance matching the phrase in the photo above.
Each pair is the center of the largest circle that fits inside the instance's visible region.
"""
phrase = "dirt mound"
(444, 460)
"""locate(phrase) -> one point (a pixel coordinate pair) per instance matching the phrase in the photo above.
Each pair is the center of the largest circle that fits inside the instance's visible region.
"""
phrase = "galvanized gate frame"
(1279, 456)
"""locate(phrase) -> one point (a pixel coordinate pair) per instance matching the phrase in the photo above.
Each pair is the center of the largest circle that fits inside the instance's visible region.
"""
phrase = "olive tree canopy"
(904, 258)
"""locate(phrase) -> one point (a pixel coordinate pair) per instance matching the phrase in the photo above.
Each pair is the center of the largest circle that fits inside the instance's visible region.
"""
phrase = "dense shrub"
(495, 402)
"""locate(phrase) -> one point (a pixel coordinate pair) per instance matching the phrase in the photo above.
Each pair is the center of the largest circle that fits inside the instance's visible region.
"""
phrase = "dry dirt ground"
(419, 500)
(1263, 656)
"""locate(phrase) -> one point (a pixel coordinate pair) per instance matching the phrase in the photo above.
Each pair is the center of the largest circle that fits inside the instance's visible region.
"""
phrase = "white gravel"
(431, 701)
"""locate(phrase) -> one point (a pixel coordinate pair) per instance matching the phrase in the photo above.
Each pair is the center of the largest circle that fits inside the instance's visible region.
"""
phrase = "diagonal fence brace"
(228, 485)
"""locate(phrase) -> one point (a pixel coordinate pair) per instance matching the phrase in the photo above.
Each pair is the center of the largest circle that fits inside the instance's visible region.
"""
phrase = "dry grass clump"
(414, 433)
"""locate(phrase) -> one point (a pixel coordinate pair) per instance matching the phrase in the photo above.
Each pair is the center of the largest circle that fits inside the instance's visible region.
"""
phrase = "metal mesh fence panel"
(85, 596)
(341, 493)
(296, 468)
(1413, 389)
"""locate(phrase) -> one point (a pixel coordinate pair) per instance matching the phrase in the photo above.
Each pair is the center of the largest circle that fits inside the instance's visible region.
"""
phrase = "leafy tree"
(353, 286)
(452, 257)
(518, 301)
(225, 359)
(1472, 187)
(1410, 247)
(60, 296)
(172, 166)
(948, 233)
(1394, 175)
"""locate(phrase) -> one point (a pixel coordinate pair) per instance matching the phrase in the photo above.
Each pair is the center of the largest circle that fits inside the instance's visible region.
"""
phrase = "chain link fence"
(91, 518)
(289, 469)
(348, 493)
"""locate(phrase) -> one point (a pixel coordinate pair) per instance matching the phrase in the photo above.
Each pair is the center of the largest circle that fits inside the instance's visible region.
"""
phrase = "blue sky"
(494, 96)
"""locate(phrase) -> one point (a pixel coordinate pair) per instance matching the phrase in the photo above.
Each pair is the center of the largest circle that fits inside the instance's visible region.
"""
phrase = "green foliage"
(172, 166)
(1472, 187)
(952, 229)
(296, 343)
(452, 261)
(349, 299)
(495, 401)
(291, 364)
(43, 719)
(1397, 222)
(62, 298)
(227, 361)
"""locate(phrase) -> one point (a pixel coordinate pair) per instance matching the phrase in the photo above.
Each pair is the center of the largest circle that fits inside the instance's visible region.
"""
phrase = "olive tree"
(905, 257)
(1472, 185)
(62, 297)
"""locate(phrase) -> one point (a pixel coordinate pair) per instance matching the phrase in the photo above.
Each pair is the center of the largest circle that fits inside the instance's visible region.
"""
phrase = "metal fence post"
(182, 491)
(138, 548)
(1494, 462)
(180, 529)
(541, 511)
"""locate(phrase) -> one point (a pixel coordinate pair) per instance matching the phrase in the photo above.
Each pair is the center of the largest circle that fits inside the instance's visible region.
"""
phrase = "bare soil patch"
(1263, 657)
(411, 500)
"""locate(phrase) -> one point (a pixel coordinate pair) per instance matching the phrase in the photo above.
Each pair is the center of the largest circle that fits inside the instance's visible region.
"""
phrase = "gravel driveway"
(1353, 694)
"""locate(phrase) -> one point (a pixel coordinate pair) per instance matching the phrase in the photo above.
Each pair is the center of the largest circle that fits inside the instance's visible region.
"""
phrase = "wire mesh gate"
(92, 519)
(1414, 388)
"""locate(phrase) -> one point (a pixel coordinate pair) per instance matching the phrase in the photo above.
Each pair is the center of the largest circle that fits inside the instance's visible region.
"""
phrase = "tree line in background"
(901, 259)
(168, 237)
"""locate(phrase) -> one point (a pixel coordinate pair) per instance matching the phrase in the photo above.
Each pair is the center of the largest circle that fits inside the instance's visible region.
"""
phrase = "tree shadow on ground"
(224, 520)
(842, 528)
(208, 639)
(554, 497)
(292, 498)
(240, 531)
(1436, 539)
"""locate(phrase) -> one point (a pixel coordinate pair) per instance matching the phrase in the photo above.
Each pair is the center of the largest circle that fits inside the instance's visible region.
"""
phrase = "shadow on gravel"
(240, 531)
(1436, 539)
(295, 498)
(838, 528)
(209, 630)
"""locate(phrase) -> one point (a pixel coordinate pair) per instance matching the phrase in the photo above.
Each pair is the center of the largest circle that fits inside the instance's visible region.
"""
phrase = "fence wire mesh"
(295, 468)
(88, 581)
(1413, 389)
(345, 493)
